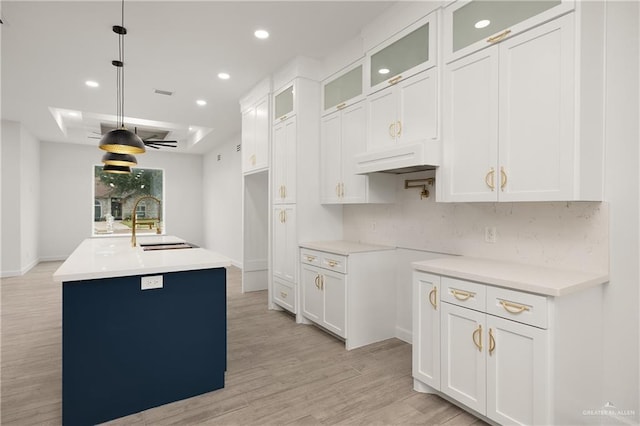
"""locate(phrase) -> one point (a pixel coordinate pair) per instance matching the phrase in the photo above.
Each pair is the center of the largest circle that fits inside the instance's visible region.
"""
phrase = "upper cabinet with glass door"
(473, 25)
(342, 90)
(284, 103)
(407, 53)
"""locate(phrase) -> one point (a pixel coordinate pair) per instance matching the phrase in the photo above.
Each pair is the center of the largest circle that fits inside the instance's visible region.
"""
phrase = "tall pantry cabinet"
(296, 212)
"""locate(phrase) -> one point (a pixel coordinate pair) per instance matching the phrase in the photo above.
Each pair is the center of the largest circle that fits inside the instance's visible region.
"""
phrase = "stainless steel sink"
(167, 246)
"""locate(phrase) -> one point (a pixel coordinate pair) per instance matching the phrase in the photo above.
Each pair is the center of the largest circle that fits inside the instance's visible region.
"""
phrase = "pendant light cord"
(121, 48)
(120, 73)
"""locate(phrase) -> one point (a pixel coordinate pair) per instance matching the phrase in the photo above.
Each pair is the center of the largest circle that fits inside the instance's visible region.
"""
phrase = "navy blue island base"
(125, 350)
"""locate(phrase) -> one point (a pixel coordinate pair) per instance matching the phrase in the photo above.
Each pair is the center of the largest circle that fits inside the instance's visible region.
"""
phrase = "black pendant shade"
(123, 170)
(113, 159)
(122, 141)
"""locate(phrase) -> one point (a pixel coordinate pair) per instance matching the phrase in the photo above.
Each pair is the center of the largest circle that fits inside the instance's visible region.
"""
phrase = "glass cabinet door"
(283, 103)
(409, 52)
(343, 88)
(473, 25)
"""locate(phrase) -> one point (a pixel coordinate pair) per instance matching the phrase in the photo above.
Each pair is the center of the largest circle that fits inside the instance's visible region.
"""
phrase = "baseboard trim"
(53, 258)
(404, 334)
(18, 273)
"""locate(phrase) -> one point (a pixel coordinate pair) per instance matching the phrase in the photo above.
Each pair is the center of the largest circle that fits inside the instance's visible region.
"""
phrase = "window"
(115, 196)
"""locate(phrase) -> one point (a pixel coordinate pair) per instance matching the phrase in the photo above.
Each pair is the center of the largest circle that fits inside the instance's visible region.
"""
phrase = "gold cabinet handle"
(284, 117)
(514, 308)
(503, 178)
(284, 191)
(492, 342)
(399, 127)
(280, 191)
(488, 179)
(394, 80)
(283, 294)
(433, 295)
(317, 280)
(284, 216)
(392, 131)
(461, 295)
(252, 159)
(310, 258)
(341, 189)
(332, 263)
(341, 106)
(498, 37)
(477, 337)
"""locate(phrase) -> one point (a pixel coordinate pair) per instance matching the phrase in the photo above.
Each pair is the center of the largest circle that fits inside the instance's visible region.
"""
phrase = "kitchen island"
(140, 327)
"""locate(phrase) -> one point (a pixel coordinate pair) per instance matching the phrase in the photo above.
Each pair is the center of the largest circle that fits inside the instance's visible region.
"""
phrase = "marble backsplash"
(566, 235)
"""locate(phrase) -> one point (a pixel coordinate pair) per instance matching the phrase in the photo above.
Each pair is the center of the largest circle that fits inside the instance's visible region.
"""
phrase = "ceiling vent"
(162, 92)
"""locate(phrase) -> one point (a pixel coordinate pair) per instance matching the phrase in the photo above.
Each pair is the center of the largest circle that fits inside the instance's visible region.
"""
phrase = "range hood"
(400, 159)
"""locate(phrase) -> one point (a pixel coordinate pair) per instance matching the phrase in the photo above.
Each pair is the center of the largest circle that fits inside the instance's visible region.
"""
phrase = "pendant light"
(114, 159)
(121, 140)
(123, 170)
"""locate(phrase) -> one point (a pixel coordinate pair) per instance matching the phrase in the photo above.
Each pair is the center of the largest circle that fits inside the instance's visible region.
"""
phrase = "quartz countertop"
(344, 248)
(97, 258)
(529, 278)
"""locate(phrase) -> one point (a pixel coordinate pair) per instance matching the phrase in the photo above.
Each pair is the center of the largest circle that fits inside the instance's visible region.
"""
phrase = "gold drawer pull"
(253, 159)
(394, 80)
(310, 258)
(342, 105)
(514, 308)
(488, 179)
(283, 294)
(399, 127)
(492, 342)
(461, 295)
(284, 117)
(498, 37)
(332, 263)
(321, 282)
(317, 281)
(503, 178)
(392, 131)
(477, 337)
(433, 297)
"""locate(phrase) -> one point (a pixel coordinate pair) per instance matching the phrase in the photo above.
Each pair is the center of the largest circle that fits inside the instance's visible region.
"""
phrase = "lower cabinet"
(350, 295)
(284, 256)
(478, 345)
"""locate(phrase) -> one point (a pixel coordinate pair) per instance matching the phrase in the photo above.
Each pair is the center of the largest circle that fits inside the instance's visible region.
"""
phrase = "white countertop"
(533, 279)
(97, 258)
(344, 248)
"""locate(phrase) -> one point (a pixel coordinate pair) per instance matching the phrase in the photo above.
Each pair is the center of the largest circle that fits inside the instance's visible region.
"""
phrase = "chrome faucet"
(134, 215)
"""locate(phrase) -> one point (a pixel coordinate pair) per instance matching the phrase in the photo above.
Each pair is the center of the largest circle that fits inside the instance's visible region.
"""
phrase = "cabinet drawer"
(335, 262)
(463, 293)
(310, 257)
(284, 294)
(526, 308)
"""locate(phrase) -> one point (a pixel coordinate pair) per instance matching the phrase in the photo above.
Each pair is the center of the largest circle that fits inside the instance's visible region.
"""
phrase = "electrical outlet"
(153, 281)
(490, 234)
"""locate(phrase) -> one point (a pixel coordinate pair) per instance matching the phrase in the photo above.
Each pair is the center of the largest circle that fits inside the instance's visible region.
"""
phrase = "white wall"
(29, 199)
(10, 198)
(67, 203)
(621, 352)
(20, 199)
(222, 184)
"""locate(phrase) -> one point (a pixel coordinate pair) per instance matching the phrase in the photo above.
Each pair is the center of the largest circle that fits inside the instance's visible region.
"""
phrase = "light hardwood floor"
(279, 372)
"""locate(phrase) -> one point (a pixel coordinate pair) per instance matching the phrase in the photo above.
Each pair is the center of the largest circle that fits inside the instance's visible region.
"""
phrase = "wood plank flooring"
(279, 372)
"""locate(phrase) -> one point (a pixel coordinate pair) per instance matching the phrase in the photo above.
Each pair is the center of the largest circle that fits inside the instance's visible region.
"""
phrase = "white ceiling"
(49, 49)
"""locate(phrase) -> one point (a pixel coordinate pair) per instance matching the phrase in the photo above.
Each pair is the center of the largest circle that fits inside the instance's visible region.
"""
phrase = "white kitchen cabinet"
(499, 346)
(346, 289)
(284, 161)
(284, 103)
(343, 88)
(510, 115)
(343, 135)
(324, 298)
(407, 53)
(255, 136)
(405, 113)
(463, 352)
(474, 25)
(426, 324)
(285, 245)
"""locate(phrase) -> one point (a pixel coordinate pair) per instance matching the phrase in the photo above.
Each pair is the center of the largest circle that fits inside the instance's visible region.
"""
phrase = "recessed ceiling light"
(201, 102)
(223, 76)
(383, 71)
(482, 24)
(92, 83)
(261, 34)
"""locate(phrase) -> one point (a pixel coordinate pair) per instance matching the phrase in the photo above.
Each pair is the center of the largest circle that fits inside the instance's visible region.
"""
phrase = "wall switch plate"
(490, 234)
(153, 281)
